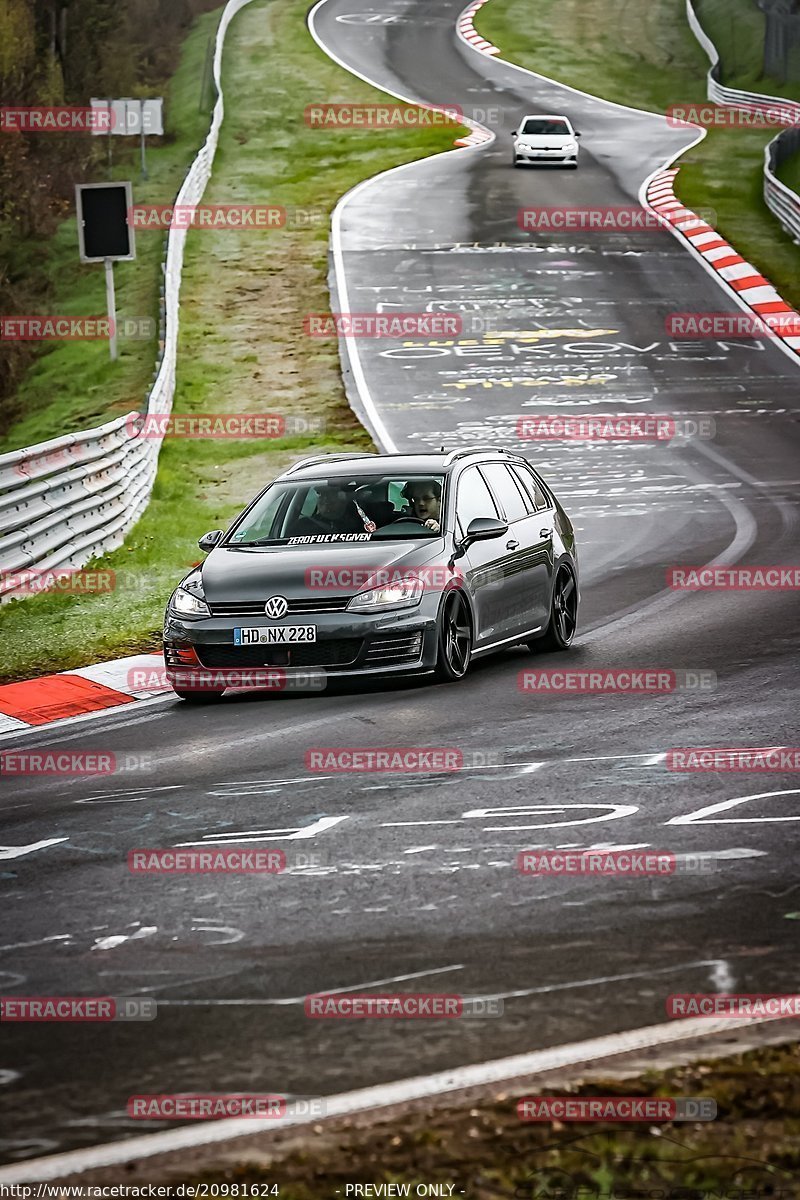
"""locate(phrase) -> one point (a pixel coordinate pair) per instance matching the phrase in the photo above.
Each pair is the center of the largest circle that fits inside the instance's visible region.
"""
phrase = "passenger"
(334, 512)
(425, 497)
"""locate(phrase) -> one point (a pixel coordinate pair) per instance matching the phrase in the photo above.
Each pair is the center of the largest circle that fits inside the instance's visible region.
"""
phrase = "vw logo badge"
(276, 607)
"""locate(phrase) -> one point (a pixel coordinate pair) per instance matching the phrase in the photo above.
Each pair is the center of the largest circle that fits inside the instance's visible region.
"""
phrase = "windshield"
(545, 127)
(358, 508)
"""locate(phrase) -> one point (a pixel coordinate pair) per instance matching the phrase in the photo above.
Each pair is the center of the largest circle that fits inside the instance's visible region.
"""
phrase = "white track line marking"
(55, 937)
(8, 852)
(545, 989)
(701, 815)
(341, 991)
(57, 1166)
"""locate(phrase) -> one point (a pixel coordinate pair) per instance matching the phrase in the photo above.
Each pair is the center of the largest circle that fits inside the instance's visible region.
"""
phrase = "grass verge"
(751, 1150)
(644, 55)
(242, 346)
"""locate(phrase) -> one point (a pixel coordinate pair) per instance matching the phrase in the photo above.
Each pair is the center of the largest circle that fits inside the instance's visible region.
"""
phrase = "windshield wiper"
(257, 542)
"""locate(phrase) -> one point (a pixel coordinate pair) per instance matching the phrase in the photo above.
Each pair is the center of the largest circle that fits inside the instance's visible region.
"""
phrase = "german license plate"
(281, 635)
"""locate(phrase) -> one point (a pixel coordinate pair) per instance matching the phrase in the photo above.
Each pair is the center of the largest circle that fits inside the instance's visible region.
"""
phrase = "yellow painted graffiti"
(532, 381)
(498, 338)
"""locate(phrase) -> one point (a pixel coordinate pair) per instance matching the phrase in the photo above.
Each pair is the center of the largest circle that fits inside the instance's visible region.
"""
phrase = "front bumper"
(348, 644)
(529, 154)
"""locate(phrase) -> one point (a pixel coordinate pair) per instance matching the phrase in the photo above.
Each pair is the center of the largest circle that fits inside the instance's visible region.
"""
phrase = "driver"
(425, 497)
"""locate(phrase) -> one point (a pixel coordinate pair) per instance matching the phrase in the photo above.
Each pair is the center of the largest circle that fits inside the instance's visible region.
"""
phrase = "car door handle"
(512, 545)
(545, 532)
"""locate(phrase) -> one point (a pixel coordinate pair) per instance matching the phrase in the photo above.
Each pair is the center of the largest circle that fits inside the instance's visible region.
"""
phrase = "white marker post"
(111, 308)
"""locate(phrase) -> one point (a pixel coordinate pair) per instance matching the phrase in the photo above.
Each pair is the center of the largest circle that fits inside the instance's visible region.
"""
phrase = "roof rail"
(321, 458)
(454, 454)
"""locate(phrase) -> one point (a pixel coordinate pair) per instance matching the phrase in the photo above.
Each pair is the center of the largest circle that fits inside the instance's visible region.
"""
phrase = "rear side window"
(531, 486)
(474, 498)
(506, 490)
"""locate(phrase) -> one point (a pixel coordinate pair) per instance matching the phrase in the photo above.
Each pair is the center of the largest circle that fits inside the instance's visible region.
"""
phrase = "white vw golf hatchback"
(545, 139)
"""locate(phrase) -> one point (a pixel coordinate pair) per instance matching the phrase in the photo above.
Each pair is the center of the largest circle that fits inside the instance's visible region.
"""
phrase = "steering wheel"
(315, 521)
(405, 517)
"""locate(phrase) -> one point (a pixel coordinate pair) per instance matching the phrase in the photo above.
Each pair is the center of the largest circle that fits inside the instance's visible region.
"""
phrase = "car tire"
(515, 162)
(204, 697)
(453, 638)
(563, 620)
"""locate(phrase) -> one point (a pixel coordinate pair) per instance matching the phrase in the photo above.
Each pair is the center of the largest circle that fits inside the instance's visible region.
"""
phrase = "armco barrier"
(780, 199)
(63, 502)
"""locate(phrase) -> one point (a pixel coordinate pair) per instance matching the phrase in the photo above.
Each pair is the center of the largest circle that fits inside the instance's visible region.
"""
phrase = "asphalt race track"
(409, 882)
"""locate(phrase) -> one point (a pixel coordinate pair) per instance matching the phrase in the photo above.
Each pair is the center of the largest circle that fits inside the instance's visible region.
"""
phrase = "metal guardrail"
(65, 501)
(783, 202)
(780, 199)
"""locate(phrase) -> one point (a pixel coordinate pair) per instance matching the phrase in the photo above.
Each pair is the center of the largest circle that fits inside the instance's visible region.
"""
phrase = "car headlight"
(571, 147)
(188, 605)
(404, 594)
(188, 599)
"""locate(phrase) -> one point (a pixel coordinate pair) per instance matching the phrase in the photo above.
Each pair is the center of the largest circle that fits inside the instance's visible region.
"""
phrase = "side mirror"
(209, 540)
(513, 133)
(578, 134)
(482, 529)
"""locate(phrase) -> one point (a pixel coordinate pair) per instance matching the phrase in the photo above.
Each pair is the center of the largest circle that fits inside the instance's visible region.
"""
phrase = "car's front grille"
(255, 608)
(332, 652)
(394, 648)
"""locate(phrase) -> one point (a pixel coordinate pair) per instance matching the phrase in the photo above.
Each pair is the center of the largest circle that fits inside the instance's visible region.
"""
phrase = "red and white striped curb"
(103, 686)
(469, 32)
(741, 276)
(476, 138)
